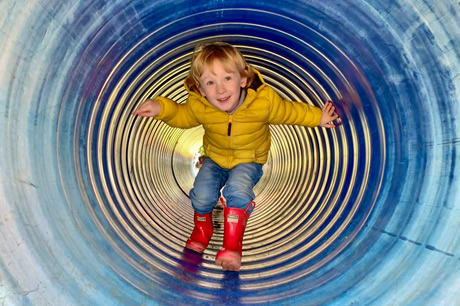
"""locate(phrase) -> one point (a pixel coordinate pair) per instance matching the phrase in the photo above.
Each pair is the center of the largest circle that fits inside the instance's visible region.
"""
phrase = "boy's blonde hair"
(204, 56)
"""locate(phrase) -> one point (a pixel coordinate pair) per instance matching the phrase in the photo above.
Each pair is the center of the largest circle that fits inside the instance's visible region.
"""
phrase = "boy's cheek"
(202, 92)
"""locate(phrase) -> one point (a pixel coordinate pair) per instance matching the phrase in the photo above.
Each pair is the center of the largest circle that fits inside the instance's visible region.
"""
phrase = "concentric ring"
(96, 200)
(309, 198)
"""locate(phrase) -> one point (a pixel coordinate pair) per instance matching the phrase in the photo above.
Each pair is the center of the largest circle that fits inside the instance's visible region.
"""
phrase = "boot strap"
(249, 205)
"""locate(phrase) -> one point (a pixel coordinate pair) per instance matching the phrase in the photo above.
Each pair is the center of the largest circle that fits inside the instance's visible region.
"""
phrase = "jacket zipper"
(229, 130)
(229, 134)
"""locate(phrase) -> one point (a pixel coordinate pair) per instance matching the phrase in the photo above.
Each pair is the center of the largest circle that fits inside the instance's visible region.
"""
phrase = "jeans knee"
(203, 202)
(240, 192)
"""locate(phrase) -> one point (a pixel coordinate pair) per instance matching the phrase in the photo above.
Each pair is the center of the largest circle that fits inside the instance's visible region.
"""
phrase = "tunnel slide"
(94, 206)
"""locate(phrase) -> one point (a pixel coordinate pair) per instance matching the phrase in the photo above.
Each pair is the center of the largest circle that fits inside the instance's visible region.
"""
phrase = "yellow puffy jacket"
(244, 136)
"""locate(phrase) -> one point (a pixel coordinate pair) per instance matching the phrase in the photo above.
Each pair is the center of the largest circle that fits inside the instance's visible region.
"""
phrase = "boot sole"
(195, 246)
(228, 260)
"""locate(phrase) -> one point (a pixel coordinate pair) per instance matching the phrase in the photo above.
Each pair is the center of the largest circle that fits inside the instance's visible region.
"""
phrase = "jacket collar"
(258, 82)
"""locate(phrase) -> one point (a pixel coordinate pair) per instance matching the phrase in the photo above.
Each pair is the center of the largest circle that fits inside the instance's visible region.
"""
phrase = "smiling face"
(221, 85)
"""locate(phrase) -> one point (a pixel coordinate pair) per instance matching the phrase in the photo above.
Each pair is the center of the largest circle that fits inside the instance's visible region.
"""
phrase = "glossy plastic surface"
(94, 206)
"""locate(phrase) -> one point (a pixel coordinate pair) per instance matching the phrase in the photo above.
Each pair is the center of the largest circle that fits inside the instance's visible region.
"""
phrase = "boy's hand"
(149, 108)
(327, 115)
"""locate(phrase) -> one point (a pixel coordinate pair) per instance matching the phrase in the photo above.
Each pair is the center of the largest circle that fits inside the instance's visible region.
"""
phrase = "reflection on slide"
(94, 201)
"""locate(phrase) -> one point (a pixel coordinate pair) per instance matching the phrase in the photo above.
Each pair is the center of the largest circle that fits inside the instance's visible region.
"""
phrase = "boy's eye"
(209, 83)
(228, 78)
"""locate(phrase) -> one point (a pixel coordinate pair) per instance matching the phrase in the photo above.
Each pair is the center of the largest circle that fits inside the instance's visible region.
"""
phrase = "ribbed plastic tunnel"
(94, 201)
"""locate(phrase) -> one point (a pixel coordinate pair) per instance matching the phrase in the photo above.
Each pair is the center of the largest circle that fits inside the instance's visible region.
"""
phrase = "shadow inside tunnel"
(369, 211)
(231, 286)
(189, 272)
(190, 264)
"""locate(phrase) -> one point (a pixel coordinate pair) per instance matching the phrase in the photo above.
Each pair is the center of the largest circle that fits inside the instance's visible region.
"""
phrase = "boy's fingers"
(140, 113)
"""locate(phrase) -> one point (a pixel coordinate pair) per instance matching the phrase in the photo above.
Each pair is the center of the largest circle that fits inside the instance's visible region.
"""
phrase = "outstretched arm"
(328, 115)
(150, 108)
(168, 111)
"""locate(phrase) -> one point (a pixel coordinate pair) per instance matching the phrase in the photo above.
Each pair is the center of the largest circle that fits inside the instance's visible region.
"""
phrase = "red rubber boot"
(235, 219)
(202, 232)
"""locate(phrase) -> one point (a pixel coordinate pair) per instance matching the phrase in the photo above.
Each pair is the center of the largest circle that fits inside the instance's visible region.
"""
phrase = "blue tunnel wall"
(94, 201)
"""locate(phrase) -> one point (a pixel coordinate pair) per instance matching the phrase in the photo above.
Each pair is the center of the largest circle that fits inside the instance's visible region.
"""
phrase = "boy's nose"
(220, 88)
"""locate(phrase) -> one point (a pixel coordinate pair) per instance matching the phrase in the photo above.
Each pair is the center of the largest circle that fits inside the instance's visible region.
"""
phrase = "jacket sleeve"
(291, 112)
(176, 115)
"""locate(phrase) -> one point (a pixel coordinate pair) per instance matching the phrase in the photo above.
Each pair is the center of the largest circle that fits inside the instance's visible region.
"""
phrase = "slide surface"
(94, 206)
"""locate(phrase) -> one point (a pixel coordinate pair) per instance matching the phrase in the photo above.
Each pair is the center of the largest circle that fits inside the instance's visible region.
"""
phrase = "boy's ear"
(244, 82)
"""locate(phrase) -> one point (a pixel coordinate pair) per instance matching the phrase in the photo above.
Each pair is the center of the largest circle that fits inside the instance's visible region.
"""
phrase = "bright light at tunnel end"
(95, 200)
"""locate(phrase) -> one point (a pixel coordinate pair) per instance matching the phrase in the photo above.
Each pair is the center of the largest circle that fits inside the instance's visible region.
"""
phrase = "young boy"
(235, 106)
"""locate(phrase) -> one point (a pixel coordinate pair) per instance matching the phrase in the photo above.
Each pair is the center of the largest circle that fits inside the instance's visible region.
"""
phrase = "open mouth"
(223, 100)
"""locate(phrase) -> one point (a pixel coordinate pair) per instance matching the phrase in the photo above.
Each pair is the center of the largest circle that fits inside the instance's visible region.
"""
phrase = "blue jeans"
(238, 181)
